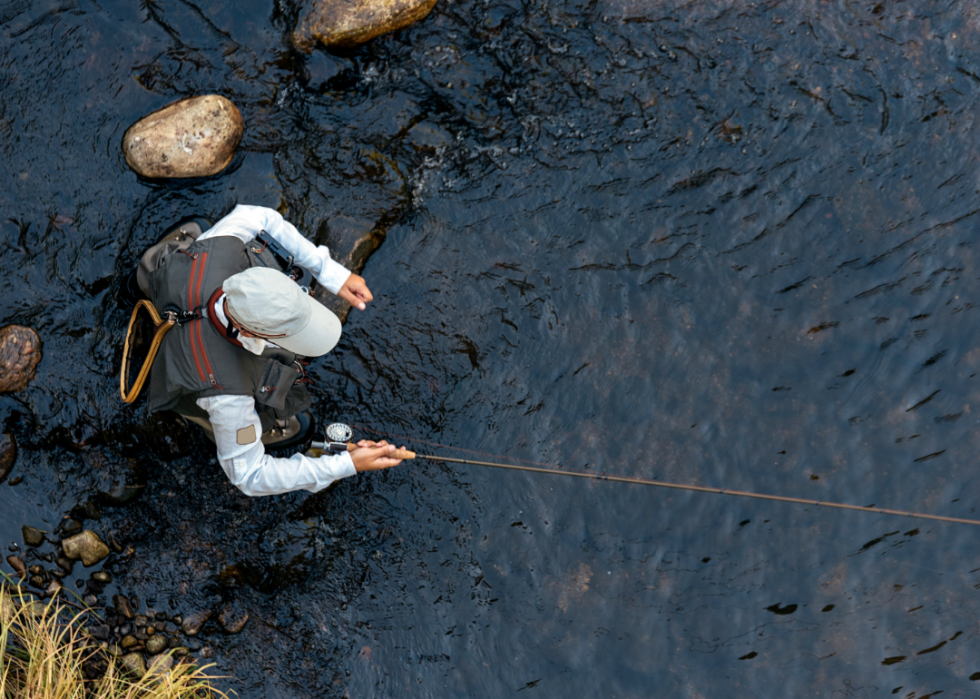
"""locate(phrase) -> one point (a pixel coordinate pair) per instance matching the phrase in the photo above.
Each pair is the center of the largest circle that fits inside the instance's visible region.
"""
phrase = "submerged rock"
(193, 622)
(157, 644)
(8, 455)
(17, 563)
(232, 618)
(346, 23)
(20, 352)
(32, 536)
(194, 137)
(122, 494)
(86, 546)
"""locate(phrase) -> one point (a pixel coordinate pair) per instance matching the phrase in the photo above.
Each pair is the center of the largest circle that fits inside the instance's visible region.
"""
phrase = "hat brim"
(321, 334)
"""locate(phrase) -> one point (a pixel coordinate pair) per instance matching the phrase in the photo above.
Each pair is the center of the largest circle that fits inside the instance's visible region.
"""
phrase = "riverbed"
(728, 244)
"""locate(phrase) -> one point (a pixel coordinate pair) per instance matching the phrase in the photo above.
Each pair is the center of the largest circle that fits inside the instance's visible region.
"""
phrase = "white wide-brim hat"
(269, 304)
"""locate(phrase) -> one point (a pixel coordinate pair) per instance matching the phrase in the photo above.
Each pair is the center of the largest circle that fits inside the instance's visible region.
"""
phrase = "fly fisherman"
(234, 364)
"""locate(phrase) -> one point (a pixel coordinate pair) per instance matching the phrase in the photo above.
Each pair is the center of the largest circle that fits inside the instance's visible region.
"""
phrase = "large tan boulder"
(20, 352)
(88, 546)
(194, 137)
(350, 22)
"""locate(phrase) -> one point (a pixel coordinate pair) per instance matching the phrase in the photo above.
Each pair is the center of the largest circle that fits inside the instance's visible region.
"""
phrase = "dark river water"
(722, 243)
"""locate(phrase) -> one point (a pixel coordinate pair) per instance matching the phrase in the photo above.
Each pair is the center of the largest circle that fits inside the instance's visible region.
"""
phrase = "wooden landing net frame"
(161, 327)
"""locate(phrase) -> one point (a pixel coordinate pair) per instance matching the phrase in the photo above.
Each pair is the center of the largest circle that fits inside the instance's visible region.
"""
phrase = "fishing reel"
(338, 435)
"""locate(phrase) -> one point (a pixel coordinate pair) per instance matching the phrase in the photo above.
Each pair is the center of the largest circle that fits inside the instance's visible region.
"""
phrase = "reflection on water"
(722, 243)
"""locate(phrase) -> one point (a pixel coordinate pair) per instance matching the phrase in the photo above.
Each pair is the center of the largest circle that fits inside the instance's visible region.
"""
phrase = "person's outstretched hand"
(355, 292)
(373, 456)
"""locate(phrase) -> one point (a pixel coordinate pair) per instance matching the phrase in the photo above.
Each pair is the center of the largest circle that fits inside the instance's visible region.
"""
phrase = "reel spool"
(338, 435)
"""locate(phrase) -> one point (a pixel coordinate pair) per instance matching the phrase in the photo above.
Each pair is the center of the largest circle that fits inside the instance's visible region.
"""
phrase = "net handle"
(162, 326)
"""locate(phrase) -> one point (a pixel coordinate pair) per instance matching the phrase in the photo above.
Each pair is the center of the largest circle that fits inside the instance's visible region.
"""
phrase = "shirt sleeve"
(246, 222)
(248, 466)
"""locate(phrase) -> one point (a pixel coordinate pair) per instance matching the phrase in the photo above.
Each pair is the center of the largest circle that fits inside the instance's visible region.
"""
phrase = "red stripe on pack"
(190, 303)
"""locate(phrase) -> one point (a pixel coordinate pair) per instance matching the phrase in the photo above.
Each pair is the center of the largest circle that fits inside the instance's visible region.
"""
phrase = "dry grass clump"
(43, 649)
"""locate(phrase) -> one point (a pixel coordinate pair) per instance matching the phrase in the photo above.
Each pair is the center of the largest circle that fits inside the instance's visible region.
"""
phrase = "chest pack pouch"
(266, 243)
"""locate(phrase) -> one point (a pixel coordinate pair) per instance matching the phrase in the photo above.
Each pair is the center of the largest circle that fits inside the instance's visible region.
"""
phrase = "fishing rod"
(339, 435)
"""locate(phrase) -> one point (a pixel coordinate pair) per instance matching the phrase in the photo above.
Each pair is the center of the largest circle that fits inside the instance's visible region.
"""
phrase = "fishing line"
(339, 435)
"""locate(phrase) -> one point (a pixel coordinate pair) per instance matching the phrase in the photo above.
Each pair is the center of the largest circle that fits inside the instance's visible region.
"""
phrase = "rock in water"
(133, 662)
(156, 644)
(232, 618)
(20, 352)
(17, 563)
(346, 22)
(86, 546)
(161, 664)
(193, 623)
(32, 536)
(121, 604)
(194, 137)
(8, 455)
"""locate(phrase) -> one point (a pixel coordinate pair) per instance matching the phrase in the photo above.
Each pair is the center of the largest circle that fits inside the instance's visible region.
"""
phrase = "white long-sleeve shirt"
(248, 466)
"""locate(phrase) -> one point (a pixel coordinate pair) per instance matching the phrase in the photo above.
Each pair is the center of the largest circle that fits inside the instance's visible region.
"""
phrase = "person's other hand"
(373, 456)
(355, 292)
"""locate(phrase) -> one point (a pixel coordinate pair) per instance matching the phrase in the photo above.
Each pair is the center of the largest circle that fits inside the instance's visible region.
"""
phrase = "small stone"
(99, 631)
(140, 620)
(65, 564)
(122, 495)
(115, 650)
(140, 635)
(207, 652)
(121, 605)
(86, 546)
(343, 23)
(37, 581)
(128, 642)
(193, 137)
(114, 543)
(38, 608)
(54, 587)
(70, 526)
(32, 536)
(36, 570)
(193, 623)
(161, 664)
(90, 600)
(134, 664)
(20, 352)
(160, 616)
(150, 631)
(58, 573)
(102, 577)
(156, 644)
(8, 455)
(177, 619)
(194, 644)
(232, 618)
(160, 626)
(17, 563)
(126, 629)
(180, 652)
